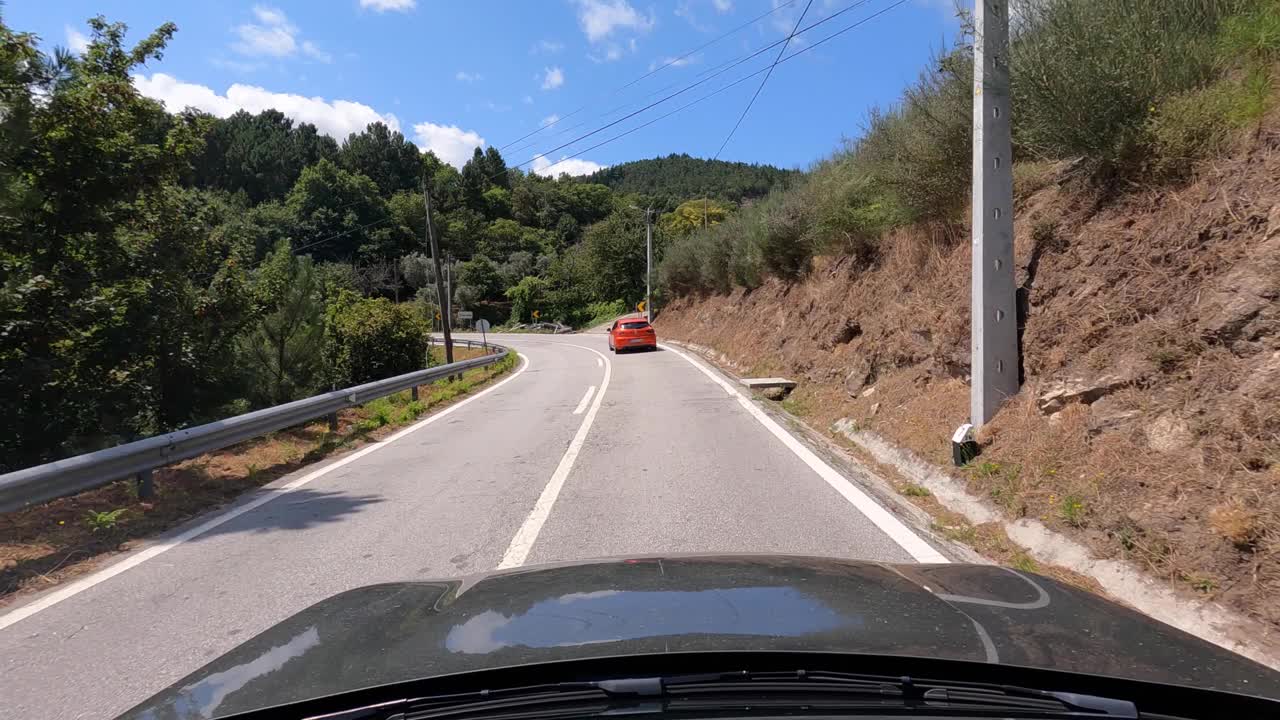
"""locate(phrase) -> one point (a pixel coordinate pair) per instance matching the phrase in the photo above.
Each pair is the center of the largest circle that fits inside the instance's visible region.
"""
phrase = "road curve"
(579, 454)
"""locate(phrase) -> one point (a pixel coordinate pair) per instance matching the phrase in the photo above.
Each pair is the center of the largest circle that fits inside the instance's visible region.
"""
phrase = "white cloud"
(310, 50)
(550, 47)
(385, 5)
(76, 40)
(576, 166)
(553, 78)
(550, 119)
(528, 99)
(337, 118)
(274, 36)
(497, 107)
(722, 6)
(674, 61)
(464, 76)
(613, 53)
(600, 18)
(450, 143)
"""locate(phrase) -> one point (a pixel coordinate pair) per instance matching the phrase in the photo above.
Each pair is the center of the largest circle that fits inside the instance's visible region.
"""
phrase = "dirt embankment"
(1148, 426)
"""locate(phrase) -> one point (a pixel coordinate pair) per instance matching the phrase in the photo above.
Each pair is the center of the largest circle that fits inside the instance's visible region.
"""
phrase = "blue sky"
(452, 75)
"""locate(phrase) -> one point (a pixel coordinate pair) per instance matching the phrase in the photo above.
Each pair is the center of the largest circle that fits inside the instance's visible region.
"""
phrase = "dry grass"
(57, 541)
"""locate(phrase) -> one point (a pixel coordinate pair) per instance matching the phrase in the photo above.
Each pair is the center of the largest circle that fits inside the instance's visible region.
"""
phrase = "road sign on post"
(640, 306)
(465, 315)
(994, 324)
(536, 314)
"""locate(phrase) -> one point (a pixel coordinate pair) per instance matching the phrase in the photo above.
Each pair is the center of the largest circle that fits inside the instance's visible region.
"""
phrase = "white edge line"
(518, 551)
(599, 362)
(585, 399)
(872, 510)
(267, 495)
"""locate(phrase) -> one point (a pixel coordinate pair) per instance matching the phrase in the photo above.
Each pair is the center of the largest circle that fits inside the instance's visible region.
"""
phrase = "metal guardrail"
(24, 488)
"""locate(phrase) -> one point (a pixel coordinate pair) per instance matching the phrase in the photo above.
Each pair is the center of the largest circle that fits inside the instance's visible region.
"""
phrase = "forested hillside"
(163, 268)
(678, 177)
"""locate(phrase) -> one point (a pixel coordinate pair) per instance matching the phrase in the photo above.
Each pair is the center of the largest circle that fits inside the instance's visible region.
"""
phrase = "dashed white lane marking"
(881, 518)
(585, 399)
(138, 558)
(527, 535)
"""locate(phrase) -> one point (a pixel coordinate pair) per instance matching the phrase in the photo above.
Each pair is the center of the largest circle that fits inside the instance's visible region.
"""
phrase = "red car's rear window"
(634, 325)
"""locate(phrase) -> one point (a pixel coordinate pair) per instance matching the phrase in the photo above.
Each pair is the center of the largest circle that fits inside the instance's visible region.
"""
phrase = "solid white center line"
(585, 399)
(527, 535)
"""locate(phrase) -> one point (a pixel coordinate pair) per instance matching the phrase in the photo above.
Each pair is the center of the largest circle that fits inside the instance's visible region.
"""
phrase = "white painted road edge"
(267, 495)
(585, 399)
(863, 503)
(527, 535)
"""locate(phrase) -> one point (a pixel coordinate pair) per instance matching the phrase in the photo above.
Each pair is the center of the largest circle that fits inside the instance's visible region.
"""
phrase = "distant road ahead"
(578, 454)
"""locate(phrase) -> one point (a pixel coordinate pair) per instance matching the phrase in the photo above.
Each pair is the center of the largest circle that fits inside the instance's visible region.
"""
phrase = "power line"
(656, 70)
(764, 80)
(735, 83)
(729, 66)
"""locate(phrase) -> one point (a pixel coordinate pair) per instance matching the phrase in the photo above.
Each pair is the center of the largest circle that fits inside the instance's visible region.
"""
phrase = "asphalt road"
(660, 456)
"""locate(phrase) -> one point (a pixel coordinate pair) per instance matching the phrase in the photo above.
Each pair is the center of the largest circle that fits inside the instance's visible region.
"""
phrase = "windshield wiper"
(807, 690)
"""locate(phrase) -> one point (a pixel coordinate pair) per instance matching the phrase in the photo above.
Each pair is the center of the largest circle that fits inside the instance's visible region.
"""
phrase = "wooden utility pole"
(440, 291)
(648, 266)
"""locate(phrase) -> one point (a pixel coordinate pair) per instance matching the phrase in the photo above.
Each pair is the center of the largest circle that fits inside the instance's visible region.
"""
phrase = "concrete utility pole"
(440, 291)
(648, 268)
(994, 348)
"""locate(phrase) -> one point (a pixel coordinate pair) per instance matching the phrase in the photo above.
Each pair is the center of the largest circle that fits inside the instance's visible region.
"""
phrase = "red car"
(632, 333)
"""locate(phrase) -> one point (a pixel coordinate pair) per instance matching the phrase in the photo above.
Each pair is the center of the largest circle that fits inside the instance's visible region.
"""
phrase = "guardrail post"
(146, 486)
(414, 393)
(333, 422)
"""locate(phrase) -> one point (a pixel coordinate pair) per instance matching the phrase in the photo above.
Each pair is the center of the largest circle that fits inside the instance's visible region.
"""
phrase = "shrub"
(1087, 72)
(785, 247)
(371, 339)
(602, 312)
(525, 297)
(1199, 123)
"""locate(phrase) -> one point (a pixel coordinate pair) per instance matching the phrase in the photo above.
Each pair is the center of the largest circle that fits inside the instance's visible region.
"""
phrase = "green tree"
(259, 155)
(340, 215)
(279, 351)
(480, 273)
(495, 168)
(693, 215)
(615, 256)
(384, 156)
(372, 339)
(118, 302)
(526, 296)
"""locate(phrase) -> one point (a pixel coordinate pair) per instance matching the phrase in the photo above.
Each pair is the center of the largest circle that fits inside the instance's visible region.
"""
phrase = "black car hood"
(387, 633)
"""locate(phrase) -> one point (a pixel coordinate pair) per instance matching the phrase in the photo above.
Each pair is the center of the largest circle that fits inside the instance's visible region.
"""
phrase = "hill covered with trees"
(679, 177)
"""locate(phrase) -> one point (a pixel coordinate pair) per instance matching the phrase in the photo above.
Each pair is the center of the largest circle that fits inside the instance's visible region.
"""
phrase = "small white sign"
(482, 325)
(464, 315)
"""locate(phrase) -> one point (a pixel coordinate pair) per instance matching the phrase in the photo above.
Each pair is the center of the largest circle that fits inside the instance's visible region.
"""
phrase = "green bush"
(525, 297)
(1086, 73)
(786, 249)
(1199, 123)
(370, 339)
(598, 313)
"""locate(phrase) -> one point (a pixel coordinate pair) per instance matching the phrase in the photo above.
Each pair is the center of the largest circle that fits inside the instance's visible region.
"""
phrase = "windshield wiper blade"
(801, 688)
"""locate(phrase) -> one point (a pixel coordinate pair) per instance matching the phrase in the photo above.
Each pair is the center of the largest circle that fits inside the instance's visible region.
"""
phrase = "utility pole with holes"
(439, 276)
(648, 267)
(994, 358)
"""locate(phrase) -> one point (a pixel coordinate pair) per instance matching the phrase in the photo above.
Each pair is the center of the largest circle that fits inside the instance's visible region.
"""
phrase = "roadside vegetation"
(53, 542)
(161, 268)
(1146, 238)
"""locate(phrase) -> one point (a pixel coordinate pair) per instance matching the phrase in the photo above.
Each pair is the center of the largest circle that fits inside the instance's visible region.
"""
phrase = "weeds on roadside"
(104, 520)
